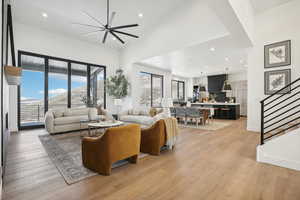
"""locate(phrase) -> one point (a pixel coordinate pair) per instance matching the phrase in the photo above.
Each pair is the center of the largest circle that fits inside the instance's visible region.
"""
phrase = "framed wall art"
(278, 54)
(276, 80)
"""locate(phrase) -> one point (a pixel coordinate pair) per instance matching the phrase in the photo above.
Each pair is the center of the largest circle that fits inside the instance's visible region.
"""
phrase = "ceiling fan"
(108, 28)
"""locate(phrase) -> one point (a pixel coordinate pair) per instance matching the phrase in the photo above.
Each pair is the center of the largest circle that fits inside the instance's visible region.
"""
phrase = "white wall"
(244, 11)
(32, 39)
(278, 24)
(240, 76)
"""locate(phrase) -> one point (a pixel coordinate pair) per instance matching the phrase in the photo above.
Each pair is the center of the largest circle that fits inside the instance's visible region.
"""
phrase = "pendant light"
(226, 85)
(202, 87)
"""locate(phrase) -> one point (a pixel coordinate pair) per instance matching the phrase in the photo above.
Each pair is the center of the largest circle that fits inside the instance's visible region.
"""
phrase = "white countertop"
(217, 103)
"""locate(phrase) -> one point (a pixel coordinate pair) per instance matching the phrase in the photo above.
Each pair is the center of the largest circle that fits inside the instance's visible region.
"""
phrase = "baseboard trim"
(278, 161)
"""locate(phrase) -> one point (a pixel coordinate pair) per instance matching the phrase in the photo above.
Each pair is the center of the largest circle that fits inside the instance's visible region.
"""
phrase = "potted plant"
(117, 87)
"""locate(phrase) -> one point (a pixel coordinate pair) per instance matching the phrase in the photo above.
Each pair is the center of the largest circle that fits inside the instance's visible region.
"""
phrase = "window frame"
(151, 85)
(178, 83)
(46, 81)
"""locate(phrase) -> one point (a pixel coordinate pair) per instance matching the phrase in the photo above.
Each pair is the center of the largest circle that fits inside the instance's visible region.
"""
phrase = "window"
(152, 89)
(97, 89)
(78, 85)
(178, 90)
(31, 95)
(56, 83)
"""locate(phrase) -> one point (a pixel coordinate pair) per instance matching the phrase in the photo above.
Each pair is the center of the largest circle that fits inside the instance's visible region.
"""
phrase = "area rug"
(65, 152)
(213, 126)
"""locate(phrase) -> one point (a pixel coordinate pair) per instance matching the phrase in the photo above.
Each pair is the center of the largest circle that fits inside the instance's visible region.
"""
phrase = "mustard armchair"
(98, 154)
(153, 138)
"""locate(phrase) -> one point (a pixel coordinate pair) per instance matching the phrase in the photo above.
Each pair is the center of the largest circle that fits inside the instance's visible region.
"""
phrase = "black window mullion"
(88, 83)
(46, 92)
(69, 84)
(104, 88)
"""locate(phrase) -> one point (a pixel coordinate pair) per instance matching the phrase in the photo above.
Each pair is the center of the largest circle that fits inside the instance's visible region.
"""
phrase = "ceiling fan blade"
(87, 25)
(128, 34)
(93, 32)
(125, 26)
(93, 18)
(117, 37)
(105, 36)
(111, 18)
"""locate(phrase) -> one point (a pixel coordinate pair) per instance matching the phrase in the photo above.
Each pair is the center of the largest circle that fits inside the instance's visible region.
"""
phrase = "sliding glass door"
(56, 83)
(31, 100)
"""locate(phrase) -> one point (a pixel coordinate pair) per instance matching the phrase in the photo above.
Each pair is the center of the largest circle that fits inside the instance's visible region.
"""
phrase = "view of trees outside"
(32, 87)
(157, 89)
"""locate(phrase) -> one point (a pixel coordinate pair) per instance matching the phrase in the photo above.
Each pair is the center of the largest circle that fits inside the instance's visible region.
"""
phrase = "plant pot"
(13, 75)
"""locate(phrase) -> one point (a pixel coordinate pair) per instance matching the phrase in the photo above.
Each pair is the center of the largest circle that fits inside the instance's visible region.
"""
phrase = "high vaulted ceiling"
(262, 5)
(62, 13)
(177, 34)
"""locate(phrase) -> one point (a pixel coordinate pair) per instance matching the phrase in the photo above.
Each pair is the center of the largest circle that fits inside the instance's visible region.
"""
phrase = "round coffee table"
(103, 125)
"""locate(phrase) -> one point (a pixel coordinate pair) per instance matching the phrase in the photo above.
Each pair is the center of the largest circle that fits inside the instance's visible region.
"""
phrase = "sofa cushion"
(70, 120)
(58, 113)
(144, 111)
(76, 111)
(146, 120)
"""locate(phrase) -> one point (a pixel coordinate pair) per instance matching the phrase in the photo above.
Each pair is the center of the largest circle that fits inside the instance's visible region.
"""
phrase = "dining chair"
(194, 113)
(181, 113)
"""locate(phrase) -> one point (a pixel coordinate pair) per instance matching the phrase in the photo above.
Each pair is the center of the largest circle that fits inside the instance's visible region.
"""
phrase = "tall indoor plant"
(117, 87)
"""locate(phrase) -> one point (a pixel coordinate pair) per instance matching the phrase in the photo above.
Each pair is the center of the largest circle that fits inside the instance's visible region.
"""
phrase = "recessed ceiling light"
(227, 59)
(45, 15)
(212, 49)
(114, 38)
(141, 15)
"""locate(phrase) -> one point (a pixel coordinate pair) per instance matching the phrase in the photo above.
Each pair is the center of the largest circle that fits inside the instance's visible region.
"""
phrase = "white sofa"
(57, 121)
(141, 116)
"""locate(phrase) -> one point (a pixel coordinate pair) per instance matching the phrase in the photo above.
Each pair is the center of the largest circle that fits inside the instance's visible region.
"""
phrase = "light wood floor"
(205, 165)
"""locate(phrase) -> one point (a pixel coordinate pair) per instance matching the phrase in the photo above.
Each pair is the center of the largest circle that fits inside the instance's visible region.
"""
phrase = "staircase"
(280, 128)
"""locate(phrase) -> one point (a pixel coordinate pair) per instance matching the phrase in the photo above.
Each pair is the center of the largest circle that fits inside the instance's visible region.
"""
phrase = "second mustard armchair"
(153, 138)
(98, 154)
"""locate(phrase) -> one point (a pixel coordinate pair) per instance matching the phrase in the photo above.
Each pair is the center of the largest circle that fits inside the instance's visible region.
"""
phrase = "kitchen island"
(222, 110)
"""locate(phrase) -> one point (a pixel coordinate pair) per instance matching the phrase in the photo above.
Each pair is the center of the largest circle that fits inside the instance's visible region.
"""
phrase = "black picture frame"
(287, 81)
(287, 57)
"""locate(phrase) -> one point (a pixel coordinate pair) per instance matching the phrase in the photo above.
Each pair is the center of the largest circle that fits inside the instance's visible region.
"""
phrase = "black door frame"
(46, 74)
(151, 84)
(177, 83)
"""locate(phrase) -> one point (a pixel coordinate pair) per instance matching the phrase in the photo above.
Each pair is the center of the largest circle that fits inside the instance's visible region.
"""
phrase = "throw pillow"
(160, 111)
(136, 112)
(144, 112)
(159, 117)
(152, 112)
(58, 113)
(100, 110)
